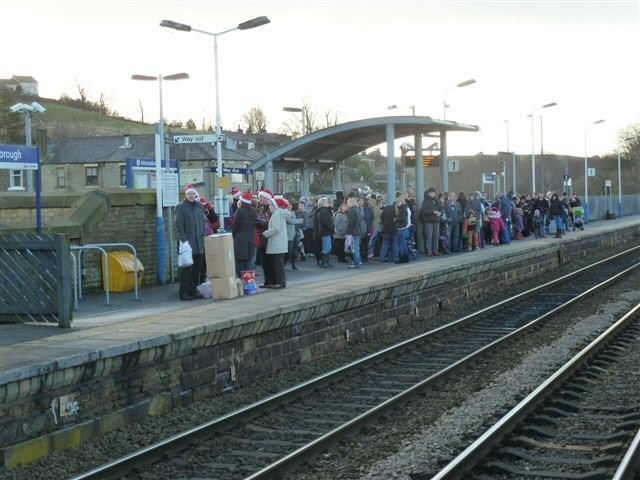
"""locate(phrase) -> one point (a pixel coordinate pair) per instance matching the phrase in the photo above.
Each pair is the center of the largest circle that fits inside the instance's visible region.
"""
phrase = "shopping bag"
(205, 289)
(185, 257)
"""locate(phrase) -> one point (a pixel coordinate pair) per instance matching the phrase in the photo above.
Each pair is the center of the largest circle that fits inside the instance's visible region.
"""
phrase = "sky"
(350, 57)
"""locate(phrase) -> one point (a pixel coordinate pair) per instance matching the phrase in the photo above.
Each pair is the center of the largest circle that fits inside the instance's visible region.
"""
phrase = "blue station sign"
(19, 157)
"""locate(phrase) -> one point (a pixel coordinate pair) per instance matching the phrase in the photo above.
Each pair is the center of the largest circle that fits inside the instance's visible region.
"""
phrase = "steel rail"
(121, 466)
(469, 457)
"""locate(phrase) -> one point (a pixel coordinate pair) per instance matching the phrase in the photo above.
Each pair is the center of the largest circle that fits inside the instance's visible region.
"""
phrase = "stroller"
(578, 222)
(412, 252)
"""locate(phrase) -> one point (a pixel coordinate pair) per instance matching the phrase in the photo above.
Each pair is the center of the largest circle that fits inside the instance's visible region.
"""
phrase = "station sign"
(205, 138)
(242, 171)
(591, 172)
(170, 190)
(427, 160)
(19, 157)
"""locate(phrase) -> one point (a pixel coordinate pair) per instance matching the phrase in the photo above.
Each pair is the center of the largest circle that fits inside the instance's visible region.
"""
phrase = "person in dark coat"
(243, 230)
(556, 211)
(323, 226)
(190, 226)
(430, 217)
(389, 231)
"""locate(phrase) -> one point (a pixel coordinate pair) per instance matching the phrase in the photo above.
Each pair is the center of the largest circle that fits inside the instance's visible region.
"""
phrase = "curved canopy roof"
(335, 144)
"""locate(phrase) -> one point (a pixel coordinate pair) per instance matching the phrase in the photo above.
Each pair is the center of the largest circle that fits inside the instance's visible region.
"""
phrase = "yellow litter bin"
(121, 272)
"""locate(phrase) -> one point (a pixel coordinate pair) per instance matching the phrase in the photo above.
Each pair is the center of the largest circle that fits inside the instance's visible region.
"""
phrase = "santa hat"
(266, 193)
(281, 203)
(203, 200)
(188, 188)
(235, 192)
(245, 198)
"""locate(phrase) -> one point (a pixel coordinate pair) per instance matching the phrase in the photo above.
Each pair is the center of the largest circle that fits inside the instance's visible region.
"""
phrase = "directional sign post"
(208, 138)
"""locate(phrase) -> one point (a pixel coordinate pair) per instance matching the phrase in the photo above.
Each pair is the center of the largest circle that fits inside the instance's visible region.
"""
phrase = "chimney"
(126, 141)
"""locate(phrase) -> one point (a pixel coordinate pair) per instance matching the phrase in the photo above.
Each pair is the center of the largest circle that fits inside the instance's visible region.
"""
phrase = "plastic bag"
(348, 244)
(185, 257)
(205, 289)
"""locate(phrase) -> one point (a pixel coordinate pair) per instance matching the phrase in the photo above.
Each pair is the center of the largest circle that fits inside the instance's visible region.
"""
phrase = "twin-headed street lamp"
(28, 109)
(160, 245)
(253, 23)
(586, 171)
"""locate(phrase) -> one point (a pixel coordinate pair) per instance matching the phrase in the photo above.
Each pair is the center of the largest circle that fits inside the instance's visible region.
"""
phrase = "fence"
(35, 279)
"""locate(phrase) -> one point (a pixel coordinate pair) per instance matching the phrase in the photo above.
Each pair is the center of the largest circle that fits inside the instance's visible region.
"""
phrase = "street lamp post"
(513, 170)
(586, 172)
(301, 111)
(548, 105)
(253, 23)
(160, 244)
(445, 105)
(28, 110)
(533, 146)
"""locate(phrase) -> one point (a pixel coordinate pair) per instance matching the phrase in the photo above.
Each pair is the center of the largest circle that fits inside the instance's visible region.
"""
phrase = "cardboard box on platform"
(218, 250)
(224, 288)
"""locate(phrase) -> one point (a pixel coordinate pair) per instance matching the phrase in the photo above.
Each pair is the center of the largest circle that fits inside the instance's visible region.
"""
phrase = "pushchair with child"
(578, 222)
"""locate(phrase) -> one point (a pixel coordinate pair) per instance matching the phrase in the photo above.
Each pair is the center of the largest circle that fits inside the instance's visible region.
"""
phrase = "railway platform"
(134, 358)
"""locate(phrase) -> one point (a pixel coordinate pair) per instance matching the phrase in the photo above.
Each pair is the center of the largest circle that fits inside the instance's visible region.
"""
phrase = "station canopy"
(329, 146)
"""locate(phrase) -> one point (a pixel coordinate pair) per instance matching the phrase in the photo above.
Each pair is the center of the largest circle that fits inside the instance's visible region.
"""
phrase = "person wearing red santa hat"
(262, 223)
(190, 226)
(235, 198)
(277, 246)
(243, 230)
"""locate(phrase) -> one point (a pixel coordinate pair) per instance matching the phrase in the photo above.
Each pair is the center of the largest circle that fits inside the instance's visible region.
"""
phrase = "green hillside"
(62, 120)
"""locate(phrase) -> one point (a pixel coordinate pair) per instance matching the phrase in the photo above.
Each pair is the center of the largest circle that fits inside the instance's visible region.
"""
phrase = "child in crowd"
(470, 225)
(496, 225)
(519, 223)
(537, 223)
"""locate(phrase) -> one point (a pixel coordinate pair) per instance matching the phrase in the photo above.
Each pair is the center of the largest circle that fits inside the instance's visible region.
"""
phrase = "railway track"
(581, 423)
(270, 437)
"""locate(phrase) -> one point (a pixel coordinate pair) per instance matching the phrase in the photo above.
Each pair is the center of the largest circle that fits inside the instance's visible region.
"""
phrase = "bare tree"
(255, 120)
(141, 108)
(82, 91)
(103, 104)
(305, 123)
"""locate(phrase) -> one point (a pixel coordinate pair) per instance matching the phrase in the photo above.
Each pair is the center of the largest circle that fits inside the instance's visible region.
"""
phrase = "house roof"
(111, 150)
(24, 78)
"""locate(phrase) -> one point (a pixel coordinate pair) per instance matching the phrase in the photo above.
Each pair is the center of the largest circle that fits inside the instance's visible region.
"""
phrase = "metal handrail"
(101, 247)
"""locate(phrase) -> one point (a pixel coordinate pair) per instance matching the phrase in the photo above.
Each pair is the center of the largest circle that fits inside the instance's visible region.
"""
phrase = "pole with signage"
(19, 157)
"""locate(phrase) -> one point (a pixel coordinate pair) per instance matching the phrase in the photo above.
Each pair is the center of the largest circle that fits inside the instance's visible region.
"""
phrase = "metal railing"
(77, 278)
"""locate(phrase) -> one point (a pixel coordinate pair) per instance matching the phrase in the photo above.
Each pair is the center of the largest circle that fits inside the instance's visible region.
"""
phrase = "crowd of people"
(272, 232)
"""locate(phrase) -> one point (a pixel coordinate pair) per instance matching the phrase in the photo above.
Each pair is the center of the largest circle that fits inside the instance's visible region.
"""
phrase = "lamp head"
(38, 108)
(471, 81)
(175, 25)
(21, 107)
(253, 23)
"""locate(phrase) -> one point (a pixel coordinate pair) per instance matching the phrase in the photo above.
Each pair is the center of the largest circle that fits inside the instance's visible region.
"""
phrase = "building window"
(16, 181)
(61, 177)
(91, 176)
(123, 175)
